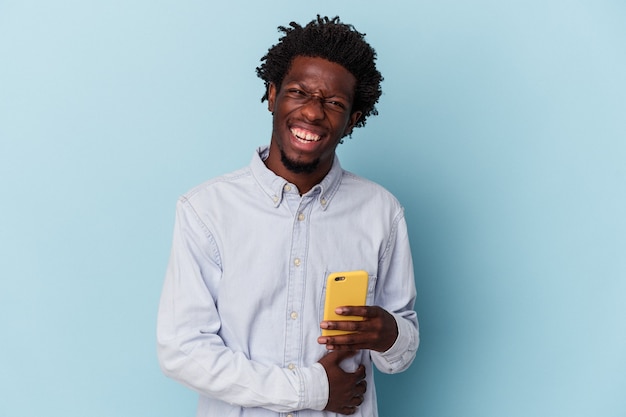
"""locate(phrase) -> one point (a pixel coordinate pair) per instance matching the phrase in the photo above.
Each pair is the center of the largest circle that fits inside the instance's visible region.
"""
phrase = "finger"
(360, 373)
(335, 346)
(349, 410)
(347, 341)
(350, 339)
(360, 311)
(357, 400)
(363, 386)
(348, 326)
(360, 388)
(340, 344)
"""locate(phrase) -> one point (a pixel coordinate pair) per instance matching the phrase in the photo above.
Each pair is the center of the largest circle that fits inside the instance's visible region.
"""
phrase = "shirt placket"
(300, 209)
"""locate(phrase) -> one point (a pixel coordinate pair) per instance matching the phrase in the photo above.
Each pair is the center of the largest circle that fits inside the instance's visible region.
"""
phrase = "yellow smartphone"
(344, 289)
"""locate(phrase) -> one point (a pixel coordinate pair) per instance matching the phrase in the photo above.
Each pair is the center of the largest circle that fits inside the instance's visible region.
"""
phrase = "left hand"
(378, 331)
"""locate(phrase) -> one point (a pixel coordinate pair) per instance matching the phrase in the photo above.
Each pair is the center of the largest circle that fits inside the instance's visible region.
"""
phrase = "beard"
(298, 167)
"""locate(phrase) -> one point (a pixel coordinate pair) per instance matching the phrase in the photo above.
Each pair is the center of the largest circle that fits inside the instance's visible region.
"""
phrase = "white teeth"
(305, 135)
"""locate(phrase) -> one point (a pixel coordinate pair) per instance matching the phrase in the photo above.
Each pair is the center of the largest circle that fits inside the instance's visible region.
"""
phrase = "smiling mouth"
(305, 136)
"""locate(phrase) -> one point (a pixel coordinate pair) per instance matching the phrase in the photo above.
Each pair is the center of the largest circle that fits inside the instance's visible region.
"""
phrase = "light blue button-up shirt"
(244, 290)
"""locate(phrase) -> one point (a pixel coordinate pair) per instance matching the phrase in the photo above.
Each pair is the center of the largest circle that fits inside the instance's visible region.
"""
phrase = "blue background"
(502, 130)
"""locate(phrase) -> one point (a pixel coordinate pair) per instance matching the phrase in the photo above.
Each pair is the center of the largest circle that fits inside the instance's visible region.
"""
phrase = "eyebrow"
(306, 88)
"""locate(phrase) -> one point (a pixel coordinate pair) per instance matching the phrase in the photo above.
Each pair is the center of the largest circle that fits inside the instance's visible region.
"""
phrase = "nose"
(313, 109)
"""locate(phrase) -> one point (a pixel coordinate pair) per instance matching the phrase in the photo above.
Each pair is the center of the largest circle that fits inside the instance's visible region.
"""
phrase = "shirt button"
(296, 262)
(294, 316)
(323, 201)
(275, 198)
(287, 187)
(300, 217)
(291, 366)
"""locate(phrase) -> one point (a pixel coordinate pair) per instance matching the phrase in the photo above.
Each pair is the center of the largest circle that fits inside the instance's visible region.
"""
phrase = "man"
(240, 316)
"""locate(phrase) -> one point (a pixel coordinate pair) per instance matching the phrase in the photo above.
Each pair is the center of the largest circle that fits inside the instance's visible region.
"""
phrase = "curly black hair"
(332, 40)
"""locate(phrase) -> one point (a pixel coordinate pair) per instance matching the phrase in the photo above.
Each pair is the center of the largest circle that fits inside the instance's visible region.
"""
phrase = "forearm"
(211, 369)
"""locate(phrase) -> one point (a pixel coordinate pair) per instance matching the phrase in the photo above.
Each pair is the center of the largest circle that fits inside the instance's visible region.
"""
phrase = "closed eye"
(301, 95)
(334, 103)
(295, 92)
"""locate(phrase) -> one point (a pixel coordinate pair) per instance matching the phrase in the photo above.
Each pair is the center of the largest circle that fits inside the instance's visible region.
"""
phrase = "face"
(312, 112)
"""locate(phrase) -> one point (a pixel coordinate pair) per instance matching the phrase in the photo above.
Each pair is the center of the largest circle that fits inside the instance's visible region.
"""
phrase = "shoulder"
(217, 185)
(368, 191)
(213, 200)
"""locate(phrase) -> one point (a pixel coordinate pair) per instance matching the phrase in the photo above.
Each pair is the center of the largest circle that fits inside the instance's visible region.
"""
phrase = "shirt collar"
(274, 186)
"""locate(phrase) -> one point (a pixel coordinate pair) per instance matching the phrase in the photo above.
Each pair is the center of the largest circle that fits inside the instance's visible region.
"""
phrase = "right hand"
(346, 389)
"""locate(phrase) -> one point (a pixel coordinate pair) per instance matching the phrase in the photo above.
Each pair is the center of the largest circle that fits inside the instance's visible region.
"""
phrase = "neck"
(303, 180)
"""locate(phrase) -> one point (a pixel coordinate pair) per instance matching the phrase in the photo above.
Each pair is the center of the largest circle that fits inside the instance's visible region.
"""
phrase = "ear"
(271, 97)
(354, 117)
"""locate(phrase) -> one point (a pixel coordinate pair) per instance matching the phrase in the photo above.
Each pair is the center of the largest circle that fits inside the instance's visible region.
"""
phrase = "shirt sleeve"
(189, 347)
(396, 293)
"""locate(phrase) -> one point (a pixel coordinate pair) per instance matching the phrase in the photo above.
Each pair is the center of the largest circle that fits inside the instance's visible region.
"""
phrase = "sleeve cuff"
(314, 394)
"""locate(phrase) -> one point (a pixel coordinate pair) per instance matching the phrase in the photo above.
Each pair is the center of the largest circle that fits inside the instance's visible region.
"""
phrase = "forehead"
(321, 75)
